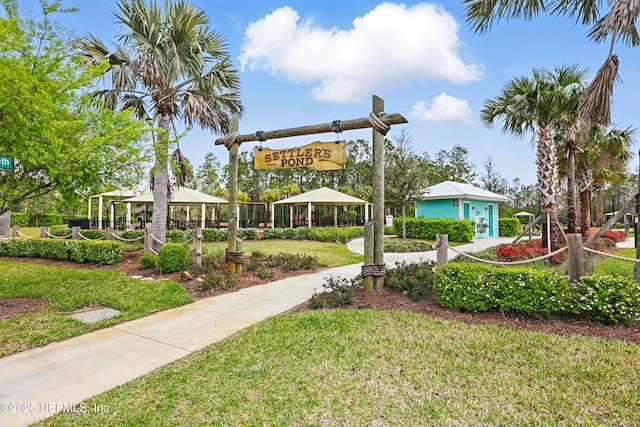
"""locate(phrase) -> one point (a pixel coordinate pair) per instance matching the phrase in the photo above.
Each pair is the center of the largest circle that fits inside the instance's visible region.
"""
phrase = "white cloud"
(390, 45)
(443, 108)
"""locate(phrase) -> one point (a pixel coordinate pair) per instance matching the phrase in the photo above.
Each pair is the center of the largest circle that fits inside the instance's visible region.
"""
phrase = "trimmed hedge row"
(106, 252)
(322, 234)
(29, 220)
(428, 228)
(475, 287)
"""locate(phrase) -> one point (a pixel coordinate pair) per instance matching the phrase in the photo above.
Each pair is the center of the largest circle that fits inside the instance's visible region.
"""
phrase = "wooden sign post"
(379, 121)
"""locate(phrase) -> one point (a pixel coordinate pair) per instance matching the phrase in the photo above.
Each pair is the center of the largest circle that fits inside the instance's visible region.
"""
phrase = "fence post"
(147, 238)
(576, 259)
(75, 232)
(239, 265)
(442, 245)
(44, 232)
(197, 244)
(367, 281)
(108, 233)
(16, 231)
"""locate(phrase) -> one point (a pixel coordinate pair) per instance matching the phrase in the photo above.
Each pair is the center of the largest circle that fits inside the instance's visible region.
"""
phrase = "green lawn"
(616, 267)
(367, 367)
(69, 289)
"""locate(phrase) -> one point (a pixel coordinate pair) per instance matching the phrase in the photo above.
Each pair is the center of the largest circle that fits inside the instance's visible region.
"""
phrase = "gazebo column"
(100, 207)
(290, 216)
(309, 215)
(128, 216)
(188, 218)
(335, 216)
(204, 212)
(366, 212)
(89, 212)
(273, 215)
(113, 215)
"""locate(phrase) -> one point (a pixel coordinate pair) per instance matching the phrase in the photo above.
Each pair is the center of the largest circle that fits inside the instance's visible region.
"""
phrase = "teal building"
(457, 200)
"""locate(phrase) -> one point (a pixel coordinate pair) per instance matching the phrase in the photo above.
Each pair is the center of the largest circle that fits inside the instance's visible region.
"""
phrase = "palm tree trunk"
(570, 145)
(548, 186)
(161, 183)
(599, 204)
(584, 179)
(5, 223)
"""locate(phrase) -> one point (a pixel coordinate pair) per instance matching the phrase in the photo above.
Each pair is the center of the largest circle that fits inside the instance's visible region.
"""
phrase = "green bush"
(414, 278)
(20, 219)
(49, 220)
(148, 260)
(102, 252)
(172, 257)
(130, 235)
(428, 228)
(93, 234)
(609, 299)
(398, 245)
(60, 231)
(335, 292)
(322, 234)
(518, 290)
(179, 236)
(213, 235)
(248, 233)
(509, 226)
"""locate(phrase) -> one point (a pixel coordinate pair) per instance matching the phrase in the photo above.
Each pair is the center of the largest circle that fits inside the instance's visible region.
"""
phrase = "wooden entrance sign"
(321, 156)
(380, 122)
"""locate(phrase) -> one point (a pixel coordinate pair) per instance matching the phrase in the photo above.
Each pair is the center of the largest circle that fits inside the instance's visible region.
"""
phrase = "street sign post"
(6, 162)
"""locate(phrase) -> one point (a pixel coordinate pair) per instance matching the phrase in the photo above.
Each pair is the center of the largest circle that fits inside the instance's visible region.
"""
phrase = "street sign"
(6, 162)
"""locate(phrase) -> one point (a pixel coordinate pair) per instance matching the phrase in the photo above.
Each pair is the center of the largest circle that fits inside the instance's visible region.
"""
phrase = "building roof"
(455, 190)
(322, 196)
(180, 196)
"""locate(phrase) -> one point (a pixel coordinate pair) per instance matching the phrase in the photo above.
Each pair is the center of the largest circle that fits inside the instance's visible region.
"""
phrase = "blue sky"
(308, 62)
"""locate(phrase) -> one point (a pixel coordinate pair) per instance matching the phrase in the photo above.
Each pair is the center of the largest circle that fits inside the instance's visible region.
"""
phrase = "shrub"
(49, 219)
(480, 288)
(218, 281)
(398, 245)
(508, 226)
(292, 262)
(179, 236)
(213, 235)
(526, 250)
(428, 228)
(609, 299)
(74, 250)
(414, 278)
(20, 219)
(93, 234)
(335, 292)
(130, 235)
(248, 233)
(172, 257)
(148, 260)
(616, 236)
(61, 231)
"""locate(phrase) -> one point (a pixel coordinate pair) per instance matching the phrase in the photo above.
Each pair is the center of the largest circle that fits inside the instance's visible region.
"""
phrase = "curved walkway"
(39, 382)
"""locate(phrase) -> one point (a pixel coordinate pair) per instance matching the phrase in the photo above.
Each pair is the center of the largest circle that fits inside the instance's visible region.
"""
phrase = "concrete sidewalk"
(38, 383)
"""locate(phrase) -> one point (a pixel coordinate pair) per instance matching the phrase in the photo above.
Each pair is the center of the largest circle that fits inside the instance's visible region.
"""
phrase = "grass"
(615, 267)
(367, 367)
(330, 254)
(69, 289)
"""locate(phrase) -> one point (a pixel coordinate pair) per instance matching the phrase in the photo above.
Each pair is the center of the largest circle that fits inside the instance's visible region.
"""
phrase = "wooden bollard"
(442, 246)
(576, 258)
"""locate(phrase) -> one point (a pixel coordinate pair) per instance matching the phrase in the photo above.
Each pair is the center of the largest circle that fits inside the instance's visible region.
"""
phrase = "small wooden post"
(16, 231)
(367, 281)
(75, 232)
(148, 242)
(108, 233)
(197, 244)
(239, 265)
(576, 259)
(44, 232)
(378, 195)
(442, 249)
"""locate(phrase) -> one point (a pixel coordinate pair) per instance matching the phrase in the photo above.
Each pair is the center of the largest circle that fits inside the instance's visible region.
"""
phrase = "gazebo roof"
(180, 196)
(523, 213)
(452, 189)
(322, 196)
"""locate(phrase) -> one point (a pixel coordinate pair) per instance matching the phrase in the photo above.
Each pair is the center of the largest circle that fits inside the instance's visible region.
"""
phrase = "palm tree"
(619, 22)
(607, 155)
(536, 104)
(171, 65)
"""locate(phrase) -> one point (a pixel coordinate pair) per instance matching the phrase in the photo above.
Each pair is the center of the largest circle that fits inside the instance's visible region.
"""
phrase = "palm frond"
(182, 170)
(619, 22)
(596, 102)
(481, 14)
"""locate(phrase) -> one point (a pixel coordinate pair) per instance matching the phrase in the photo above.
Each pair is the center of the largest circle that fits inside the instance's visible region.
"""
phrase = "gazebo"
(114, 195)
(320, 197)
(181, 196)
